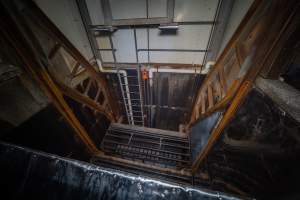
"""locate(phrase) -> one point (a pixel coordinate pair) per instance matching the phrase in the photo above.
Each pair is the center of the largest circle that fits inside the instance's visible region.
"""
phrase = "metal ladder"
(132, 97)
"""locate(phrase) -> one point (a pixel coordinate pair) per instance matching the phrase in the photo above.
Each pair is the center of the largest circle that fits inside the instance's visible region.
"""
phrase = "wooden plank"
(97, 94)
(223, 81)
(197, 111)
(75, 69)
(218, 89)
(222, 103)
(84, 100)
(231, 44)
(233, 74)
(210, 96)
(42, 20)
(86, 90)
(203, 103)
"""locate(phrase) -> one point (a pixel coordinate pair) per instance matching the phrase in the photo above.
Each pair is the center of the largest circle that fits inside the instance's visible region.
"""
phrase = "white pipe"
(126, 85)
(205, 70)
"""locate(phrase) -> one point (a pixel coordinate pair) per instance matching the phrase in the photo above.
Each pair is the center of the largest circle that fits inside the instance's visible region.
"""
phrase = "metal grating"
(150, 146)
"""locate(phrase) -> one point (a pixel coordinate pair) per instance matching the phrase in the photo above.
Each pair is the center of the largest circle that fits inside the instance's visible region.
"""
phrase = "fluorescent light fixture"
(170, 26)
(104, 28)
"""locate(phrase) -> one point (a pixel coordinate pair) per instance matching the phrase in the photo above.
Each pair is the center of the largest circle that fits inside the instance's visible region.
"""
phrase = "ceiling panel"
(157, 8)
(107, 56)
(103, 42)
(95, 11)
(187, 37)
(141, 35)
(143, 56)
(195, 10)
(128, 9)
(124, 43)
(177, 57)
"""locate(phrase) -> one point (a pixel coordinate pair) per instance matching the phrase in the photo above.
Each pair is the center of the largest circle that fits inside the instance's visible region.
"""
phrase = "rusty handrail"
(228, 91)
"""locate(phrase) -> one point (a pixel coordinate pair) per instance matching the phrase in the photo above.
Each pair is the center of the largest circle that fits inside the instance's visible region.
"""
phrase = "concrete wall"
(20, 98)
(65, 15)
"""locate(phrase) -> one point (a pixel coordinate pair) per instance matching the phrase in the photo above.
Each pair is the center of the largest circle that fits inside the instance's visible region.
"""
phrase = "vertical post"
(138, 69)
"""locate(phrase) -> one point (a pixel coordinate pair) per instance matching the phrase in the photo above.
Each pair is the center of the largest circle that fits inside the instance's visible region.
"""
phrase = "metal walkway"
(147, 145)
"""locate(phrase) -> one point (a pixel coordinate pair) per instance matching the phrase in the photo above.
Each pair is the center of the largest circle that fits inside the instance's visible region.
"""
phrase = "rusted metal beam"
(262, 50)
(75, 70)
(220, 105)
(218, 69)
(42, 20)
(13, 32)
(223, 80)
(84, 100)
(203, 101)
(210, 96)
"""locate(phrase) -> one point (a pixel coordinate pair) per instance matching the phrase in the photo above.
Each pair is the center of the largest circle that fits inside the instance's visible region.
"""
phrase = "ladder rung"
(132, 99)
(135, 105)
(136, 111)
(133, 92)
(130, 85)
(129, 76)
(137, 116)
(75, 69)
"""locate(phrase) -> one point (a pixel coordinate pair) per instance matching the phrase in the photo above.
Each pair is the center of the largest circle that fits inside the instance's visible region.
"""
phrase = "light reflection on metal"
(170, 26)
(104, 28)
(88, 181)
